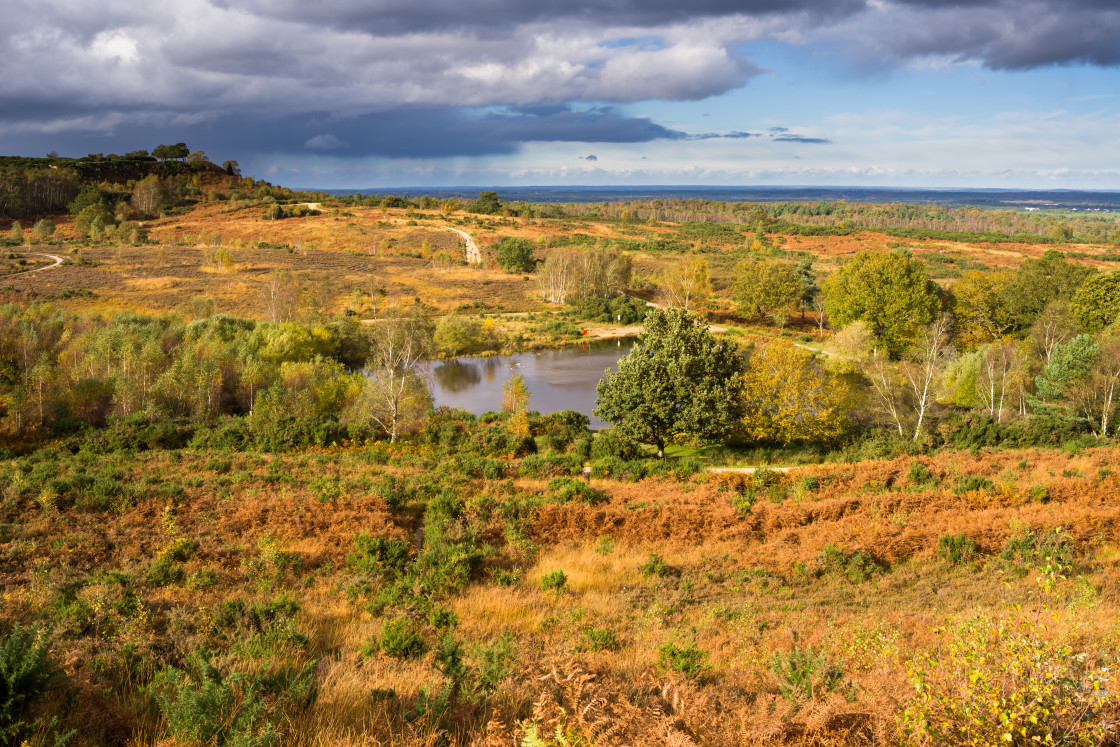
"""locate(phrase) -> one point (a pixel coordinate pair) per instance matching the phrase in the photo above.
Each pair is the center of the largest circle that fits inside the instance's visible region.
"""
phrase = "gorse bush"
(401, 639)
(568, 489)
(611, 442)
(689, 660)
(202, 706)
(655, 565)
(855, 566)
(919, 474)
(1032, 547)
(973, 483)
(554, 580)
(378, 555)
(25, 673)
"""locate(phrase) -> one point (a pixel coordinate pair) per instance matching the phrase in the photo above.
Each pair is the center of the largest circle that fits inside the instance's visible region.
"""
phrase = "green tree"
(88, 196)
(166, 152)
(515, 401)
(515, 255)
(1083, 379)
(678, 382)
(488, 203)
(764, 287)
(982, 307)
(92, 219)
(1097, 302)
(461, 335)
(17, 231)
(1039, 282)
(889, 291)
(809, 288)
(43, 229)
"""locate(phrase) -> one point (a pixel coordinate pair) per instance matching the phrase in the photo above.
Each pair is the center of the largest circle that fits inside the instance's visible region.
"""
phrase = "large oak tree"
(679, 382)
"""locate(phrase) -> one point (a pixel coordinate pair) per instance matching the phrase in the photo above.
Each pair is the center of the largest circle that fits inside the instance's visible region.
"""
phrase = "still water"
(562, 379)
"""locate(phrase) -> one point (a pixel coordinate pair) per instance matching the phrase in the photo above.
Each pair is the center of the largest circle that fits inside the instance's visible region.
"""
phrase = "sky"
(404, 93)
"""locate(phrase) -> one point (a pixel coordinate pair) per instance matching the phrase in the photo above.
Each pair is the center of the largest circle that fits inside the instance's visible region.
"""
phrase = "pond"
(563, 379)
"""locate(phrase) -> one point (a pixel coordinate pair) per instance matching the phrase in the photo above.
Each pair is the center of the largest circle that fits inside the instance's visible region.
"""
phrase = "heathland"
(886, 511)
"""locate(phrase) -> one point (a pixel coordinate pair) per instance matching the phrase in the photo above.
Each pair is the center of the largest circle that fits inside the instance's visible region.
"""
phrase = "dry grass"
(344, 251)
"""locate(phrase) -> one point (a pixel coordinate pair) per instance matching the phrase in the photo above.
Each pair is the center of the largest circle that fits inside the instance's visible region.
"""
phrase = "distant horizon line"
(704, 187)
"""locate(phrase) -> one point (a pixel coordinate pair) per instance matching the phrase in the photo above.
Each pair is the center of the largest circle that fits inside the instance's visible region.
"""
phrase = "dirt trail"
(474, 256)
(57, 261)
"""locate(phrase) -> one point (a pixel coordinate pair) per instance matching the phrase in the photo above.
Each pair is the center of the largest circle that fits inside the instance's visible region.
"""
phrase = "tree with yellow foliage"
(789, 395)
(686, 283)
(982, 308)
(515, 401)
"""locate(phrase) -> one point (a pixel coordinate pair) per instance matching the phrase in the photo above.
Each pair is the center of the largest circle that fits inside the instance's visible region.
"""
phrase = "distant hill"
(33, 187)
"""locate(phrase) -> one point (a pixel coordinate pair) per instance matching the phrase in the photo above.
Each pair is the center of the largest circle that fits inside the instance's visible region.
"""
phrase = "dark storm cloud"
(1001, 34)
(392, 17)
(432, 78)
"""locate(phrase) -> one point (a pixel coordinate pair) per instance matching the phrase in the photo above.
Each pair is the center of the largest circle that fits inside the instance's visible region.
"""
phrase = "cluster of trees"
(60, 371)
(1042, 342)
(571, 273)
(680, 382)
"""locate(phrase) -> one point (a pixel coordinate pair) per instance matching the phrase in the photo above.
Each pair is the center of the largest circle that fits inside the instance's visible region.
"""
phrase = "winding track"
(474, 256)
(57, 261)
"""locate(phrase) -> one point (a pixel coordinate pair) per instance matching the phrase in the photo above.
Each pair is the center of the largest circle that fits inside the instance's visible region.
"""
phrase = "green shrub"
(550, 465)
(165, 568)
(201, 706)
(956, 548)
(689, 660)
(378, 555)
(809, 484)
(25, 673)
(496, 662)
(600, 639)
(326, 489)
(507, 578)
(610, 442)
(803, 675)
(567, 489)
(401, 639)
(554, 580)
(919, 474)
(971, 483)
(1035, 547)
(655, 565)
(855, 566)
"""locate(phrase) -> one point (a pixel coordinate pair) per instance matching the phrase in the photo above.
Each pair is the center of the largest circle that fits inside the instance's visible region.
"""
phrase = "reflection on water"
(562, 379)
(457, 376)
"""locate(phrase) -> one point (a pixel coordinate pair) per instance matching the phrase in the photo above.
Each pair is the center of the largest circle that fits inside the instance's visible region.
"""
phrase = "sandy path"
(57, 261)
(474, 256)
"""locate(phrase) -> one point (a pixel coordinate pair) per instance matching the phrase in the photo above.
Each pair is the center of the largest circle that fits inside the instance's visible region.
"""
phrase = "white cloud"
(115, 46)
